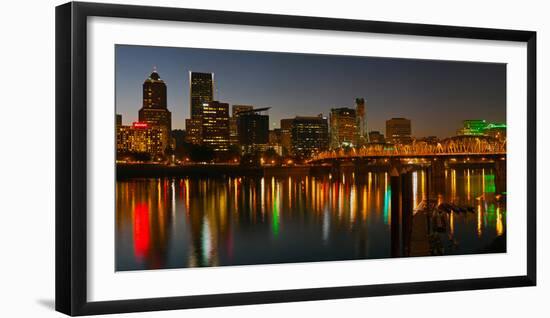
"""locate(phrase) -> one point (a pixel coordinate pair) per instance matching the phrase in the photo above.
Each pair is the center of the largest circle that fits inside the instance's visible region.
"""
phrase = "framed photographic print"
(209, 158)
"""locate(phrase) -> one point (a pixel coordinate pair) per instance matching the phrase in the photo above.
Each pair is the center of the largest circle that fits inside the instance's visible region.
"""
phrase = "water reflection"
(190, 222)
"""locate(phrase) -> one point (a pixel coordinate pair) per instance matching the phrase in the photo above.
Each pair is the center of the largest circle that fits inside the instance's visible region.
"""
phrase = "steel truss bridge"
(460, 146)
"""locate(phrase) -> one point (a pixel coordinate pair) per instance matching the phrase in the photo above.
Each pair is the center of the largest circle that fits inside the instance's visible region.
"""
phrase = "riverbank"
(125, 171)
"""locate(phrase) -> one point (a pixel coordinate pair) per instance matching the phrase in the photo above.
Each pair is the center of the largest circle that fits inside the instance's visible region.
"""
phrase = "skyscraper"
(154, 109)
(201, 91)
(215, 125)
(233, 131)
(398, 130)
(253, 128)
(309, 135)
(361, 110)
(343, 127)
(286, 135)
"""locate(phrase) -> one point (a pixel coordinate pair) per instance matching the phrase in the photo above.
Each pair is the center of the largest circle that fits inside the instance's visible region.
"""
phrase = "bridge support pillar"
(500, 175)
(395, 186)
(335, 169)
(361, 166)
(401, 212)
(406, 212)
(436, 177)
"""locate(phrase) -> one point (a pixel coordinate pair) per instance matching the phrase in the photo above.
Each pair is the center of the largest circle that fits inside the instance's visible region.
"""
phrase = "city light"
(272, 179)
(139, 125)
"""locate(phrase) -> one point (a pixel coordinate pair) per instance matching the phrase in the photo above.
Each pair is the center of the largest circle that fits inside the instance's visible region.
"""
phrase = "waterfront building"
(140, 138)
(376, 137)
(496, 130)
(193, 129)
(286, 136)
(233, 131)
(215, 125)
(343, 127)
(253, 130)
(472, 127)
(309, 135)
(398, 130)
(275, 138)
(154, 110)
(480, 127)
(361, 111)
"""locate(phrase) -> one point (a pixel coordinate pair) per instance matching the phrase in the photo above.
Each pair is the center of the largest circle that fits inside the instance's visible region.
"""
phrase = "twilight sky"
(435, 95)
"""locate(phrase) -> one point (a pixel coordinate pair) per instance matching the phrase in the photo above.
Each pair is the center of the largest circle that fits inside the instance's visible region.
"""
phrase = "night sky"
(435, 95)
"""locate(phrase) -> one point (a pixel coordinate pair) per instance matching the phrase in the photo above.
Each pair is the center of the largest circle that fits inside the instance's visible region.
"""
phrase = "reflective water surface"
(191, 222)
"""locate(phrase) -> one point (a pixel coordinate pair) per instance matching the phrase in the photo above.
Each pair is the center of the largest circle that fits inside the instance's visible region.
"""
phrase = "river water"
(194, 222)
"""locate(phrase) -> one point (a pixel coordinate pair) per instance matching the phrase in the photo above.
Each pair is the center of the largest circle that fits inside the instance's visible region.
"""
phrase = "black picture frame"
(71, 157)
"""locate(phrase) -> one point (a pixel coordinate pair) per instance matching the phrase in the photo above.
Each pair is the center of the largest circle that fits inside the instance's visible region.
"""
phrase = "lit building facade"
(233, 130)
(201, 91)
(343, 127)
(361, 111)
(496, 130)
(215, 125)
(154, 109)
(286, 135)
(398, 131)
(309, 135)
(472, 127)
(140, 138)
(480, 127)
(193, 129)
(253, 130)
(275, 137)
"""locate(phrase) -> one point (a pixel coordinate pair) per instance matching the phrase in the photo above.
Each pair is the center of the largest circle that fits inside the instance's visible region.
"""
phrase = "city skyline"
(320, 185)
(283, 81)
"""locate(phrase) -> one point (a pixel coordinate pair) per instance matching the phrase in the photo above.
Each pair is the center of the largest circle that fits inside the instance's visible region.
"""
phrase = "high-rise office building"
(398, 130)
(201, 91)
(253, 130)
(343, 127)
(309, 135)
(233, 131)
(215, 125)
(286, 135)
(154, 109)
(361, 111)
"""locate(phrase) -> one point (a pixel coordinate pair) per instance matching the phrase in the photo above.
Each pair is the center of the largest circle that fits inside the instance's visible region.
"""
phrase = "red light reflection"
(142, 235)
